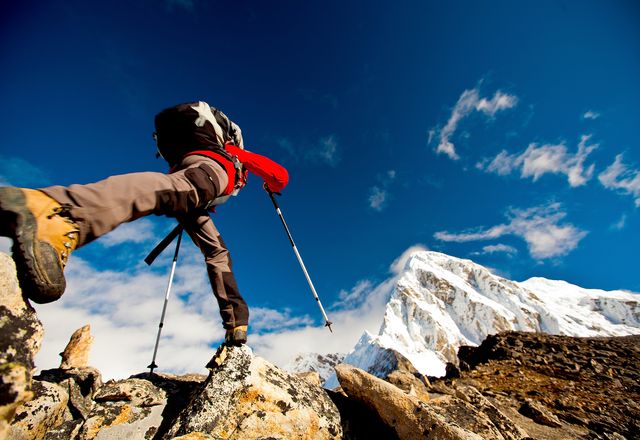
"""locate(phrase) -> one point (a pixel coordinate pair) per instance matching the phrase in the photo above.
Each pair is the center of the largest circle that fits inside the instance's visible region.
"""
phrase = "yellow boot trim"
(59, 231)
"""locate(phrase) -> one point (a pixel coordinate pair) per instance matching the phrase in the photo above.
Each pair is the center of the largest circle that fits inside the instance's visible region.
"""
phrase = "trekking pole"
(327, 323)
(153, 365)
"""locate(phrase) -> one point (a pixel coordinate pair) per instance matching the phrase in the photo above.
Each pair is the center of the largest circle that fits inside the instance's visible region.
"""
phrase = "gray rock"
(121, 420)
(139, 392)
(21, 336)
(44, 412)
(80, 383)
(247, 397)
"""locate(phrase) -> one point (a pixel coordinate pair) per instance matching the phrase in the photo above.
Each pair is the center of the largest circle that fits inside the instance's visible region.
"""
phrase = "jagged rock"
(80, 383)
(21, 335)
(410, 384)
(247, 397)
(539, 414)
(313, 377)
(139, 392)
(409, 417)
(44, 412)
(121, 420)
(76, 353)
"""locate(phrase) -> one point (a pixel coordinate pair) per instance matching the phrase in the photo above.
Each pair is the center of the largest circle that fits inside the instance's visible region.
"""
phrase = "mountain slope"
(441, 303)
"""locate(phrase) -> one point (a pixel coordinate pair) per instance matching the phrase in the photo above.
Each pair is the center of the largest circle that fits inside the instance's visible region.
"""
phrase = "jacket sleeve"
(275, 175)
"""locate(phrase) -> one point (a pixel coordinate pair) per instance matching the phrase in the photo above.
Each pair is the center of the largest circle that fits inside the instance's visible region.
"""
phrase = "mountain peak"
(441, 302)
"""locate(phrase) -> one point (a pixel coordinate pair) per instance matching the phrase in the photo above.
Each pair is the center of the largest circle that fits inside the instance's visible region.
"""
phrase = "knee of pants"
(219, 261)
(204, 180)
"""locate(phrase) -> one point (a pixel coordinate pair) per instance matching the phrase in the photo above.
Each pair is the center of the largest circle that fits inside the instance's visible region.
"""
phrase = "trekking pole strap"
(163, 245)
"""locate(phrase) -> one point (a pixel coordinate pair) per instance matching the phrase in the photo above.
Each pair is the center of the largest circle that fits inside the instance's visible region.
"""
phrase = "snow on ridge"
(441, 302)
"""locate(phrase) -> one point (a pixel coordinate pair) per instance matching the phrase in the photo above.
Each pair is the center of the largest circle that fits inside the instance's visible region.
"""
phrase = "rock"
(313, 377)
(44, 412)
(247, 397)
(409, 417)
(80, 383)
(76, 353)
(410, 384)
(21, 336)
(121, 420)
(473, 412)
(539, 414)
(139, 392)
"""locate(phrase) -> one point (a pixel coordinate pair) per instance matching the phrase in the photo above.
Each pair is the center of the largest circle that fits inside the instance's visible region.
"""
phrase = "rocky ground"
(588, 387)
(515, 386)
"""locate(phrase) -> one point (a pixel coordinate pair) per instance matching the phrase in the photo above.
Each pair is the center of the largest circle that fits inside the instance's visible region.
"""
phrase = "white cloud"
(497, 248)
(620, 177)
(124, 310)
(590, 114)
(265, 319)
(379, 194)
(537, 161)
(359, 309)
(18, 172)
(348, 325)
(540, 227)
(140, 231)
(5, 245)
(377, 198)
(354, 296)
(399, 264)
(620, 224)
(328, 151)
(470, 101)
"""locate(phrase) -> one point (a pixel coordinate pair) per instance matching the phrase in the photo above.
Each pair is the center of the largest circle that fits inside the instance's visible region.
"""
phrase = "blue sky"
(504, 132)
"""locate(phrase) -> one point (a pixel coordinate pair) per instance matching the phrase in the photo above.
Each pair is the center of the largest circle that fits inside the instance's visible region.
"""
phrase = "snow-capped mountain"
(441, 303)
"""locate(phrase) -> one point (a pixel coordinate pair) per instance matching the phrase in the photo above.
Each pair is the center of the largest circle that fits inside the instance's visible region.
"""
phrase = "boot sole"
(39, 271)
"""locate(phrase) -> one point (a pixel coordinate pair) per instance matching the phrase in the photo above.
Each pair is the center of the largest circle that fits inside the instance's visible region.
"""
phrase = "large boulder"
(247, 397)
(407, 415)
(21, 336)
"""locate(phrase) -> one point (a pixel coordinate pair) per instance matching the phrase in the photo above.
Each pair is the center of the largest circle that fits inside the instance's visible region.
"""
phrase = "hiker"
(208, 164)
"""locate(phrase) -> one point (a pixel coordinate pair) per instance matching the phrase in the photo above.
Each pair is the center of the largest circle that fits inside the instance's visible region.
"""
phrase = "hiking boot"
(43, 238)
(236, 335)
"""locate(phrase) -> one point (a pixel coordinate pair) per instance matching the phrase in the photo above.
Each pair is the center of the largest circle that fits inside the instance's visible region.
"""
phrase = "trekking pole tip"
(328, 324)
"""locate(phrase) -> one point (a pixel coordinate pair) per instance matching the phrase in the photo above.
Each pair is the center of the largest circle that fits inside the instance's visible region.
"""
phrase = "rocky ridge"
(515, 385)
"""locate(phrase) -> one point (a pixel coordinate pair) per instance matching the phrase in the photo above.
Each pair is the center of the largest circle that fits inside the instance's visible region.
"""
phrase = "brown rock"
(409, 417)
(539, 414)
(313, 377)
(410, 384)
(76, 353)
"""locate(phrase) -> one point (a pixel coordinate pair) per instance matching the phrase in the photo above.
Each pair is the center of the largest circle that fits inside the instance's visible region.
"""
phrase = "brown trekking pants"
(100, 207)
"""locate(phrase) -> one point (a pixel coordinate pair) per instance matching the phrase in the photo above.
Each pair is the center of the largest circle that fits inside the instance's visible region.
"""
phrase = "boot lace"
(64, 211)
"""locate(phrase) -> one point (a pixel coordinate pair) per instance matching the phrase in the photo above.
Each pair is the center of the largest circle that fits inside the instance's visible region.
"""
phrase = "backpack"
(196, 127)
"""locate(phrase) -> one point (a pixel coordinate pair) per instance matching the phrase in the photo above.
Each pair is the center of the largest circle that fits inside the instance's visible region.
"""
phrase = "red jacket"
(274, 175)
